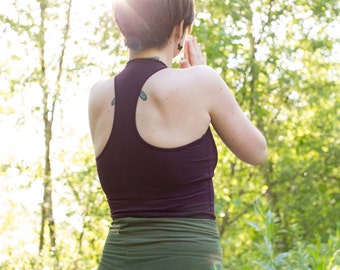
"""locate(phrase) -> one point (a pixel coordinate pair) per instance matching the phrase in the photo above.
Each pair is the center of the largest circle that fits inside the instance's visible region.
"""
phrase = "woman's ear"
(179, 30)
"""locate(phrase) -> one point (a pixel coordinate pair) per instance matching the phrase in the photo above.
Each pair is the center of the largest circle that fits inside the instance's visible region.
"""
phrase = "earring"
(179, 47)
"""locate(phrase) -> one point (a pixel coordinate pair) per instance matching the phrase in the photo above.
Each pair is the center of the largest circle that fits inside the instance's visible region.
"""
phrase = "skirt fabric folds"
(162, 243)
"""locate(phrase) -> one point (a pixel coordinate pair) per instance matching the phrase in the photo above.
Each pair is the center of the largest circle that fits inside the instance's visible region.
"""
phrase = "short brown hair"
(149, 23)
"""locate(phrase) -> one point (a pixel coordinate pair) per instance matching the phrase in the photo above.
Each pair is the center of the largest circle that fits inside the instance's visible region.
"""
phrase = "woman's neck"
(159, 54)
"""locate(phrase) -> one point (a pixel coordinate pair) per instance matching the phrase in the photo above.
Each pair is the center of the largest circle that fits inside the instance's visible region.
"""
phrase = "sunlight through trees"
(280, 58)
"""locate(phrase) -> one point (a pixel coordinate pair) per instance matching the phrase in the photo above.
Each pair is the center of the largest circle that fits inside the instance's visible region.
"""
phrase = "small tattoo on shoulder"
(143, 96)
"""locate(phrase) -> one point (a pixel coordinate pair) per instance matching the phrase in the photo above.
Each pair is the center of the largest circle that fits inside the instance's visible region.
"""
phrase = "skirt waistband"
(167, 225)
(162, 243)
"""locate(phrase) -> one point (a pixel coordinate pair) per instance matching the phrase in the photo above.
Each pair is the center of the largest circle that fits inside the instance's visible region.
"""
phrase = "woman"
(155, 153)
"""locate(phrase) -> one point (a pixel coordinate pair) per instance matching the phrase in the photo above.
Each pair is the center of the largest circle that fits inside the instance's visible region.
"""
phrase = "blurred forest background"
(281, 58)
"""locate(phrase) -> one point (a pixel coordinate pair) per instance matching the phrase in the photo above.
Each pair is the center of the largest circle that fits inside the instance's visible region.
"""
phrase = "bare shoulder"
(100, 90)
(205, 78)
(206, 82)
(100, 98)
(195, 86)
(103, 83)
(201, 73)
(191, 79)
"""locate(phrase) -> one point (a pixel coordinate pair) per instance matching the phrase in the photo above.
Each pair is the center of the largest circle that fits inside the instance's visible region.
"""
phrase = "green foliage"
(316, 255)
(274, 261)
(281, 60)
(277, 59)
(88, 216)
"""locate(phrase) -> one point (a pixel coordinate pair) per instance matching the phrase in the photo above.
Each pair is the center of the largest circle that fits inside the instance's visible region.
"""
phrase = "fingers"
(184, 64)
(186, 51)
(193, 53)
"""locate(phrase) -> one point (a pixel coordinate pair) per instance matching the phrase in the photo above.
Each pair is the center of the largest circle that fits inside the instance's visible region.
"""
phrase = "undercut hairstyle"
(149, 23)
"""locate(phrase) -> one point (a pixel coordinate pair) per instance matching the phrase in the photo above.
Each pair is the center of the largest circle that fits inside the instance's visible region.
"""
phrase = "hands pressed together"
(192, 53)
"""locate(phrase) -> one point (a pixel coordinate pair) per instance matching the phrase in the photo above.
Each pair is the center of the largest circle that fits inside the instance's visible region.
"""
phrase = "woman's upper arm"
(232, 125)
(92, 107)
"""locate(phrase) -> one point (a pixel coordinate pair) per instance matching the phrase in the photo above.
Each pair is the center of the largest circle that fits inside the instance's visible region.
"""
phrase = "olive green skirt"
(162, 243)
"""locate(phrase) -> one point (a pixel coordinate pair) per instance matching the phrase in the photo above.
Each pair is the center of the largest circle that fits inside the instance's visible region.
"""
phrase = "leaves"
(279, 58)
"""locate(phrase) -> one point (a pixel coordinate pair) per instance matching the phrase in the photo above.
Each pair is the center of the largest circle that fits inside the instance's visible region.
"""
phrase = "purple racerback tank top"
(142, 180)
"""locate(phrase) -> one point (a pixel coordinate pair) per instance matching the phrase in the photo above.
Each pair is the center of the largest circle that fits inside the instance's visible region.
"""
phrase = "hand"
(192, 53)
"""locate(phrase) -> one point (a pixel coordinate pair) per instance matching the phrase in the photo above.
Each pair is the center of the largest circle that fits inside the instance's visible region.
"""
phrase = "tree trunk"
(46, 207)
(50, 98)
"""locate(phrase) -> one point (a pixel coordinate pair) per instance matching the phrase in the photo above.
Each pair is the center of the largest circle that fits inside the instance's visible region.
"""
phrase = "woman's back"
(172, 113)
(178, 107)
(175, 113)
(142, 179)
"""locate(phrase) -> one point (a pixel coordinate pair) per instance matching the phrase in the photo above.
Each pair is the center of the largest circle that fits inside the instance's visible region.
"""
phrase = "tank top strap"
(128, 86)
